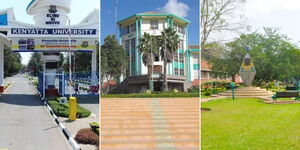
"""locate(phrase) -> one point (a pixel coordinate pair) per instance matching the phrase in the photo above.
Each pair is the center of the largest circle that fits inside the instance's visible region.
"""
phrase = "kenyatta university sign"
(22, 39)
(50, 34)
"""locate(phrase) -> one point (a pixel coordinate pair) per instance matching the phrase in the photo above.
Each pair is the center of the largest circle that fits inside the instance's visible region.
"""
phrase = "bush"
(95, 127)
(207, 93)
(62, 110)
(194, 89)
(87, 136)
(154, 95)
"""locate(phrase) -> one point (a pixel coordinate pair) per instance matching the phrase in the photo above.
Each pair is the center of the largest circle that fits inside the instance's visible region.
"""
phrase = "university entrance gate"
(50, 35)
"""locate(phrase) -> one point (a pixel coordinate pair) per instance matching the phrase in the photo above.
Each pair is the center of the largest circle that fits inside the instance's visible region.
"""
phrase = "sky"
(275, 13)
(189, 9)
(76, 14)
(270, 13)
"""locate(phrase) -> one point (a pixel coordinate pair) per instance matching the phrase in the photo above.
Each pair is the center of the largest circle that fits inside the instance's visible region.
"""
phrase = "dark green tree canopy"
(274, 56)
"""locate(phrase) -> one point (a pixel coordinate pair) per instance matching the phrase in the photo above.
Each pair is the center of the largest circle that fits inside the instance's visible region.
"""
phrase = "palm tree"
(148, 46)
(169, 43)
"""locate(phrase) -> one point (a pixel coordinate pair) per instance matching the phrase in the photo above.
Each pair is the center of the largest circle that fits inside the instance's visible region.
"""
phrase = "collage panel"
(150, 74)
(249, 75)
(49, 74)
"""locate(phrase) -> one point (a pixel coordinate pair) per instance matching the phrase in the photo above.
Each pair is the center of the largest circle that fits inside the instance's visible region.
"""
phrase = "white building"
(179, 71)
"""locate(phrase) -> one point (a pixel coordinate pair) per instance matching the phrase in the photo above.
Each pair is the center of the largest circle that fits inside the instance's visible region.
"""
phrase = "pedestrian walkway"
(150, 124)
(25, 123)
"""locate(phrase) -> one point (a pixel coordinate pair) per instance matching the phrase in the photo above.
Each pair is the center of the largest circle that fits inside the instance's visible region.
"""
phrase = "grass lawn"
(62, 110)
(250, 124)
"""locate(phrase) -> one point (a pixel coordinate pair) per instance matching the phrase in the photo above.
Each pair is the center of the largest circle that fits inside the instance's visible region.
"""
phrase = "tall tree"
(169, 43)
(148, 46)
(35, 66)
(12, 62)
(113, 60)
(216, 16)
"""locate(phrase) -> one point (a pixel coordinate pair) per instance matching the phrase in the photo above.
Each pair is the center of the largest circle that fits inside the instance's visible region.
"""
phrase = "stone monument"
(247, 70)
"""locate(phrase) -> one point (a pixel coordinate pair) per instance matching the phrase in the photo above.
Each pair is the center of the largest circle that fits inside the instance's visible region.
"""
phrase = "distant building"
(207, 74)
(180, 72)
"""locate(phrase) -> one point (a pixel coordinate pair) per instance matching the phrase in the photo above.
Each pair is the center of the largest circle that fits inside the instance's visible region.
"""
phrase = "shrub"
(194, 89)
(154, 95)
(87, 136)
(95, 127)
(207, 93)
(62, 110)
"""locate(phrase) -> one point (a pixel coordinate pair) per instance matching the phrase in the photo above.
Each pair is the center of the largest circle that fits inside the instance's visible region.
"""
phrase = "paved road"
(89, 102)
(25, 124)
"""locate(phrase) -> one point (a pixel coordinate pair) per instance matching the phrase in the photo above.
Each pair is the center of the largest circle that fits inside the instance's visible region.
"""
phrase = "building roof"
(153, 13)
(194, 47)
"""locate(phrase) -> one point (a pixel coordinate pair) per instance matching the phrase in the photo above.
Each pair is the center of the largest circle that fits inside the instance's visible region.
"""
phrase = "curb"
(65, 131)
(62, 127)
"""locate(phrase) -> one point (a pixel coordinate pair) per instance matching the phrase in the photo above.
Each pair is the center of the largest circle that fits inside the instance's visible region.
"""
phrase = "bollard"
(72, 108)
(232, 85)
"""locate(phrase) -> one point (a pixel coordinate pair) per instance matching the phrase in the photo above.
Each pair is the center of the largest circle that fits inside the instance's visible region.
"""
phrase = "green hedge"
(153, 95)
(62, 110)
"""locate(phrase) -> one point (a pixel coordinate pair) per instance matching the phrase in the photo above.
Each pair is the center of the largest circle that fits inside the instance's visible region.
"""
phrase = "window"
(125, 30)
(133, 28)
(176, 71)
(182, 72)
(153, 24)
(181, 45)
(181, 58)
(133, 46)
(196, 59)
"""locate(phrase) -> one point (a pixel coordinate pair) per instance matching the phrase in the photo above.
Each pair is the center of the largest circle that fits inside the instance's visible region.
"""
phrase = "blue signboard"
(3, 20)
(54, 31)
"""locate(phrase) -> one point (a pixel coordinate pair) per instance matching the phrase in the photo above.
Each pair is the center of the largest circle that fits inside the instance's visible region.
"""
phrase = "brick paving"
(150, 123)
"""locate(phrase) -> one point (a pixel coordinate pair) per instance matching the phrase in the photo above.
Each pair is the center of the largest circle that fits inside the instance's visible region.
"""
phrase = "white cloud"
(175, 7)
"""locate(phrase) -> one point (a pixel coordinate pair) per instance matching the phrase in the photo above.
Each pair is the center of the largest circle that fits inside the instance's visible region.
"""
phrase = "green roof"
(152, 13)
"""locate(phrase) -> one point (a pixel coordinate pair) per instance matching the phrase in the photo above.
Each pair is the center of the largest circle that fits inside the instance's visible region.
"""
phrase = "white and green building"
(180, 72)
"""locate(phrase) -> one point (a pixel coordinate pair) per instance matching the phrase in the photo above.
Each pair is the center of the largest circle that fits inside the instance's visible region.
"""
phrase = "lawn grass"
(250, 124)
(62, 110)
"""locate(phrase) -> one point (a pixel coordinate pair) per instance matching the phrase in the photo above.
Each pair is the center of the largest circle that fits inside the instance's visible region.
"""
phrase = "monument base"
(247, 92)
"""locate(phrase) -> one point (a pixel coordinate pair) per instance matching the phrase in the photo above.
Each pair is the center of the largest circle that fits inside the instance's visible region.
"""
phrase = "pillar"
(94, 68)
(136, 45)
(1, 66)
